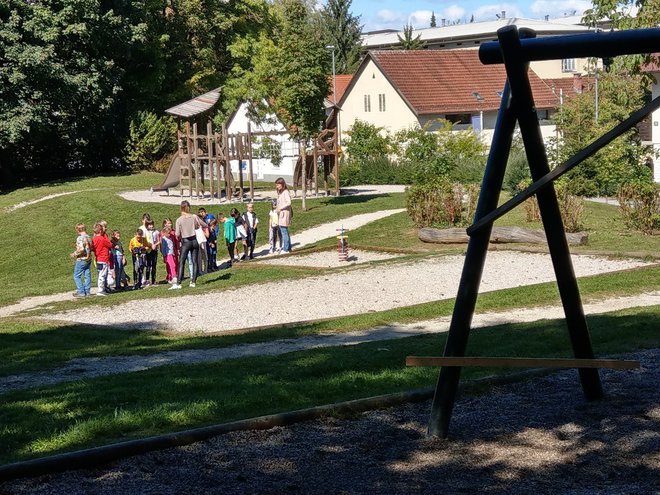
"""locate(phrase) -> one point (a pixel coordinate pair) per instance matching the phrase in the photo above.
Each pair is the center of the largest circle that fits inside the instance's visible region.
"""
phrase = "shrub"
(531, 205)
(640, 206)
(571, 208)
(517, 170)
(366, 142)
(151, 138)
(441, 203)
(379, 170)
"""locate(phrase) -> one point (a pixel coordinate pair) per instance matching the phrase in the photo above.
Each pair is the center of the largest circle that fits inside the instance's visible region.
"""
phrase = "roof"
(569, 86)
(448, 81)
(197, 105)
(341, 82)
(478, 31)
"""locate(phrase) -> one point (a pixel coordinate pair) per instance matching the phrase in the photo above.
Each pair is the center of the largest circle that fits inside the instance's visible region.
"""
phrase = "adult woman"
(285, 213)
(185, 231)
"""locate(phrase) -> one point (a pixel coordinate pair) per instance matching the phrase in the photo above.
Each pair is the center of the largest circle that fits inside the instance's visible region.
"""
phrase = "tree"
(342, 30)
(620, 162)
(408, 42)
(433, 23)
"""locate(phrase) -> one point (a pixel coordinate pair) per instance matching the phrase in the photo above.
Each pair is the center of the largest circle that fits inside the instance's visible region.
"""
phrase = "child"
(251, 222)
(241, 233)
(153, 240)
(101, 246)
(82, 273)
(230, 235)
(138, 247)
(175, 240)
(167, 249)
(121, 279)
(212, 245)
(273, 229)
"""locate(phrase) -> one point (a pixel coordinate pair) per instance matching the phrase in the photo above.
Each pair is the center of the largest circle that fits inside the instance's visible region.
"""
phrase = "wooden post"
(228, 181)
(303, 159)
(249, 150)
(239, 146)
(209, 153)
(191, 150)
(195, 160)
(316, 169)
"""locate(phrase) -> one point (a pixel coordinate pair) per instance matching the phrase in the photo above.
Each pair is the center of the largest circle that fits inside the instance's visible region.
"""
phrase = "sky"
(384, 14)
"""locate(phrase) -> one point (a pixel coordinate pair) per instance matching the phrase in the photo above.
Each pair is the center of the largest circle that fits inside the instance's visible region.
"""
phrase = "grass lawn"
(94, 412)
(70, 416)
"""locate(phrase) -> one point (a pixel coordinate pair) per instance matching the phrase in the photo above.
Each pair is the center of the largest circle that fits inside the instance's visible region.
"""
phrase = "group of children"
(237, 229)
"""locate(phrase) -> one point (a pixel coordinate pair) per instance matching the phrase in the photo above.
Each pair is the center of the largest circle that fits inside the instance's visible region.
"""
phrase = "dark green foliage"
(366, 142)
(517, 169)
(151, 138)
(379, 170)
(342, 30)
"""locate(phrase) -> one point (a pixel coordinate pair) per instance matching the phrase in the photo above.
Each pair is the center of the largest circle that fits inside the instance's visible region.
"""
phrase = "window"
(568, 65)
(459, 118)
(381, 102)
(367, 103)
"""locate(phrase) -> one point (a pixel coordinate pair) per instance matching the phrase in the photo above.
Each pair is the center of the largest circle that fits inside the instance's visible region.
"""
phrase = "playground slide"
(171, 177)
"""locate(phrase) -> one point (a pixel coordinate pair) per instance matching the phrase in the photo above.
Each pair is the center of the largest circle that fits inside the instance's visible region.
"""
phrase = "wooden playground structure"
(202, 162)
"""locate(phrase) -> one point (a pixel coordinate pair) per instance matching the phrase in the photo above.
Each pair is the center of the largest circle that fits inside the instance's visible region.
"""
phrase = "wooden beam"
(507, 362)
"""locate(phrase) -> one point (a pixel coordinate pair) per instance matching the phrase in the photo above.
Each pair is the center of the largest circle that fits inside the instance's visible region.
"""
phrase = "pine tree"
(433, 23)
(342, 30)
(408, 42)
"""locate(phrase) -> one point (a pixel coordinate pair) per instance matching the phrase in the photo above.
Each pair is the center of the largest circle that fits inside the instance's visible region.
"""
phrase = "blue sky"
(381, 14)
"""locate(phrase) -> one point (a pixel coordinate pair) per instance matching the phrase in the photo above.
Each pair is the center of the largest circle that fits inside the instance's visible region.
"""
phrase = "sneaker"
(270, 251)
(284, 252)
(101, 293)
(174, 286)
(192, 284)
(243, 258)
(78, 294)
(173, 281)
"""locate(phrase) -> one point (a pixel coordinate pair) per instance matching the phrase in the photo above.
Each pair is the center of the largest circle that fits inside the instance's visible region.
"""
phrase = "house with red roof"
(397, 89)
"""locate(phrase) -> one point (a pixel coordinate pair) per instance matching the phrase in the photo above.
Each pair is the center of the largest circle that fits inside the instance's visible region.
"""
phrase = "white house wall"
(655, 131)
(262, 168)
(372, 82)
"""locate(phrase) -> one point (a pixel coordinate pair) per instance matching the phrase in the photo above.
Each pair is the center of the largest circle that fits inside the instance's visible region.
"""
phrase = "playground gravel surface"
(538, 436)
(359, 290)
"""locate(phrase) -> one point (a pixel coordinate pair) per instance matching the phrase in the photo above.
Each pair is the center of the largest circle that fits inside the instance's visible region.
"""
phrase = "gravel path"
(86, 368)
(355, 291)
(261, 195)
(539, 436)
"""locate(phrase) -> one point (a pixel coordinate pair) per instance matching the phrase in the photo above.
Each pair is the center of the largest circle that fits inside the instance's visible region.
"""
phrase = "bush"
(517, 171)
(379, 170)
(151, 138)
(531, 205)
(571, 208)
(640, 206)
(441, 204)
(366, 142)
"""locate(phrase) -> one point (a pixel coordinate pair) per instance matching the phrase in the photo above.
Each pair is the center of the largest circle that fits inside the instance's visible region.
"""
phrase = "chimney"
(547, 18)
(443, 22)
(578, 85)
(504, 14)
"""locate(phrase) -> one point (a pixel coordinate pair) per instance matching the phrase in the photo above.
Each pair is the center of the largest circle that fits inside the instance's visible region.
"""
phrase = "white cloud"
(560, 8)
(390, 16)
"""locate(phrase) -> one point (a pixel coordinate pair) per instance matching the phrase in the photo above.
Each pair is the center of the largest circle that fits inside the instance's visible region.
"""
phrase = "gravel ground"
(538, 436)
(353, 291)
(325, 259)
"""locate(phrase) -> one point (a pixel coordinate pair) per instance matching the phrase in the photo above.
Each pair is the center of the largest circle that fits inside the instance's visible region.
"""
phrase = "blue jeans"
(82, 270)
(286, 240)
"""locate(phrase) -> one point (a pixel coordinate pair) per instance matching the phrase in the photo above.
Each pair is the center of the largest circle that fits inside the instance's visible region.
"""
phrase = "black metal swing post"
(516, 49)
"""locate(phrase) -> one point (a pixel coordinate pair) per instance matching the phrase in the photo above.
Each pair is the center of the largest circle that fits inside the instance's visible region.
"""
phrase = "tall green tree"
(620, 162)
(289, 74)
(342, 30)
(433, 21)
(409, 41)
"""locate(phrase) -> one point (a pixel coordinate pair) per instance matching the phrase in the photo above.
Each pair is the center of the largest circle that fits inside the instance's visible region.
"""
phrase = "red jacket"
(101, 246)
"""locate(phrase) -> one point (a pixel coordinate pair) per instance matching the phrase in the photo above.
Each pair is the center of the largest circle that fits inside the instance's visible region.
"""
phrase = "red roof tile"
(443, 81)
(341, 81)
(570, 86)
